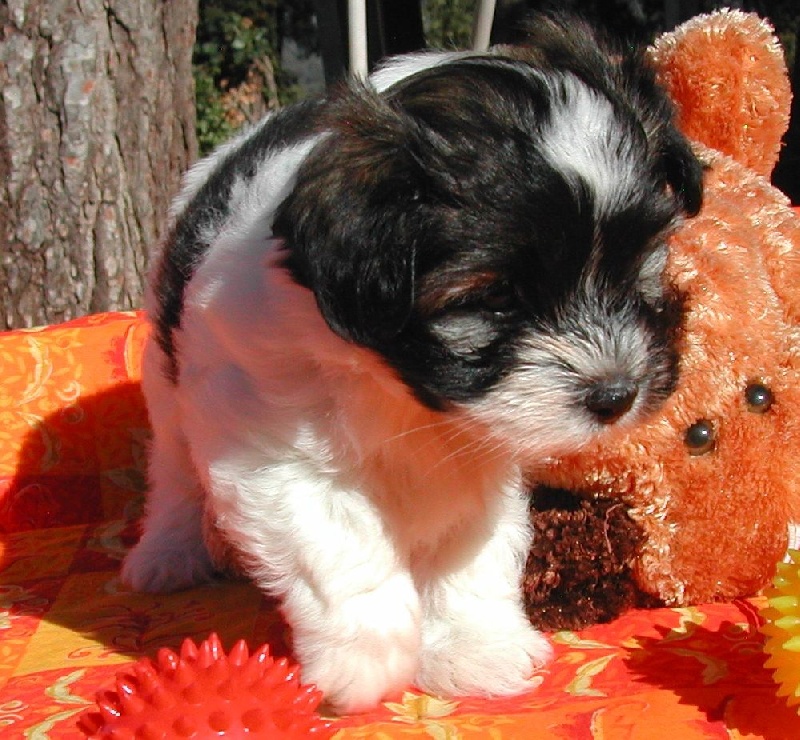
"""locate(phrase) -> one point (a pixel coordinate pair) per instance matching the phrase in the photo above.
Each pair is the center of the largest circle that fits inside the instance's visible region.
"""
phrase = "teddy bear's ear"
(727, 76)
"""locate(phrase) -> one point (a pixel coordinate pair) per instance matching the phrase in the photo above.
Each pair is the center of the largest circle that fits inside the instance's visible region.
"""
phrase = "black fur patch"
(444, 176)
(435, 203)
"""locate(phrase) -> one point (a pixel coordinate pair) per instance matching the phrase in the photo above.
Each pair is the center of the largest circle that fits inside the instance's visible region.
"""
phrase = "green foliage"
(448, 23)
(232, 37)
(212, 126)
(228, 42)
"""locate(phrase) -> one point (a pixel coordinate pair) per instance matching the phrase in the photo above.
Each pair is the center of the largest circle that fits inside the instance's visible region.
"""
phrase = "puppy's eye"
(499, 298)
(758, 396)
(700, 438)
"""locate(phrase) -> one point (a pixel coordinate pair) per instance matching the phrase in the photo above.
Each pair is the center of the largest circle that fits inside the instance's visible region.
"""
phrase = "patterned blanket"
(72, 434)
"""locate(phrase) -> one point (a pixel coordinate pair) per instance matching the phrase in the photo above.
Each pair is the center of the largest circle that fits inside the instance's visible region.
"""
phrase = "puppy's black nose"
(608, 401)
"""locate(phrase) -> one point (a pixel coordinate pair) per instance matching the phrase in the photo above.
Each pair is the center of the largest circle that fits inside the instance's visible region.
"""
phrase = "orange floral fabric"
(72, 434)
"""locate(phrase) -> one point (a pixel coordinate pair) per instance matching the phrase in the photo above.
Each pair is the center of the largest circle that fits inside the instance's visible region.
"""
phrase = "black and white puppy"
(374, 312)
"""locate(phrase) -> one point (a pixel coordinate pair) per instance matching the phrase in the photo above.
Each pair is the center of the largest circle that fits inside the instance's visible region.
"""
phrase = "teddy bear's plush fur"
(697, 503)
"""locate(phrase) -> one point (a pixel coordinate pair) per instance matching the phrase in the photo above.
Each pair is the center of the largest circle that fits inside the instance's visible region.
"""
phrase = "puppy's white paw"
(493, 652)
(156, 566)
(356, 677)
(363, 651)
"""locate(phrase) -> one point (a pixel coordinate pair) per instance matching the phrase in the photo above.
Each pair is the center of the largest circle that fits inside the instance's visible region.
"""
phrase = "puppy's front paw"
(364, 650)
(493, 652)
(156, 566)
(356, 677)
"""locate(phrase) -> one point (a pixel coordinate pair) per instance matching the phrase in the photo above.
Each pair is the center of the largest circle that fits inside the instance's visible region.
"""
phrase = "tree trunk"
(96, 126)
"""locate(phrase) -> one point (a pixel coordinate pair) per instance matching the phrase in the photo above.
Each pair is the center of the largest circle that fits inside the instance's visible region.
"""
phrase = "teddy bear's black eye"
(758, 397)
(701, 437)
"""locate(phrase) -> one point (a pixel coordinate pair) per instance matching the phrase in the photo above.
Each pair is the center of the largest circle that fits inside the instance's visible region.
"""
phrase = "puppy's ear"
(353, 223)
(684, 172)
(678, 164)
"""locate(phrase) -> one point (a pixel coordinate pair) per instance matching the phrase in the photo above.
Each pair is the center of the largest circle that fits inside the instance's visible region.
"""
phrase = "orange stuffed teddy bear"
(698, 503)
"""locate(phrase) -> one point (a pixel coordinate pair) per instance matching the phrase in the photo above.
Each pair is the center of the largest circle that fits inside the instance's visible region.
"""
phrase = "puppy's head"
(494, 227)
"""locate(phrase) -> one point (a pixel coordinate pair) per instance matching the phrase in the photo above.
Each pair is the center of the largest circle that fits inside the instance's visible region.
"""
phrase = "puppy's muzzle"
(608, 400)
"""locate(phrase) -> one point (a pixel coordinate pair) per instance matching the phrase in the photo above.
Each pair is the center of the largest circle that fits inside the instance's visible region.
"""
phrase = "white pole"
(357, 37)
(482, 27)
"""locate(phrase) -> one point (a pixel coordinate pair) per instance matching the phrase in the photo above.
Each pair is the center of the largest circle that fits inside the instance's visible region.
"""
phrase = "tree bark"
(96, 126)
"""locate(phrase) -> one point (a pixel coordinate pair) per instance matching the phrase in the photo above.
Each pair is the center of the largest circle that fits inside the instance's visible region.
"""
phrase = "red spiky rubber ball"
(204, 693)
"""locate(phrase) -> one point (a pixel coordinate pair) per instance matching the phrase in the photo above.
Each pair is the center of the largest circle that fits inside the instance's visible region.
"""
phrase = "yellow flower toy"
(782, 629)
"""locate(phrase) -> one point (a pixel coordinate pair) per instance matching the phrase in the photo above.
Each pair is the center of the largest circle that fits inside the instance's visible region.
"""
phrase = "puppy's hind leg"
(476, 638)
(170, 554)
